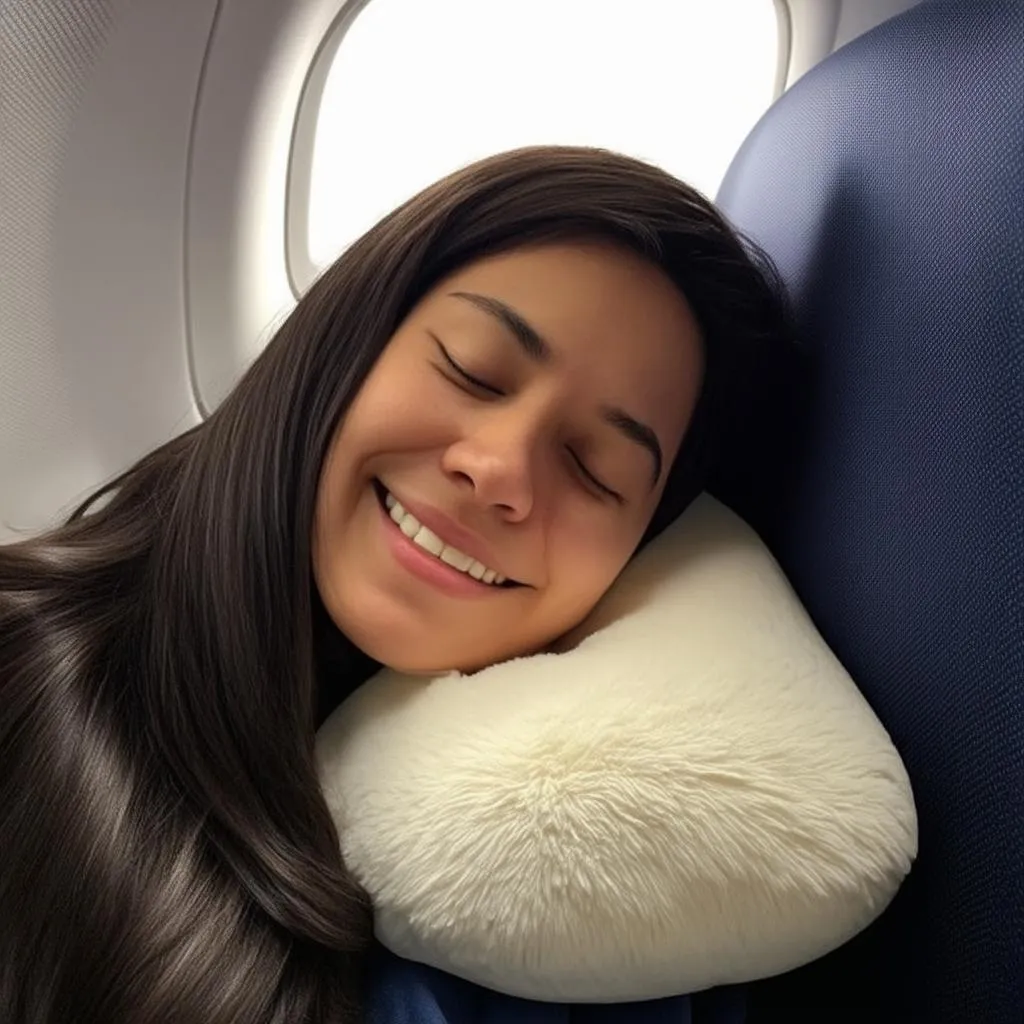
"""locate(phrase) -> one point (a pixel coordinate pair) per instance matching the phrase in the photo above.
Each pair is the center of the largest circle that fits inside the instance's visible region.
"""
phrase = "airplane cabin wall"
(93, 163)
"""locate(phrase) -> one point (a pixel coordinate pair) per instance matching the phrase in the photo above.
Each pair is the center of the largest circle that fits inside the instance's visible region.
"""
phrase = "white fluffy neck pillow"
(696, 794)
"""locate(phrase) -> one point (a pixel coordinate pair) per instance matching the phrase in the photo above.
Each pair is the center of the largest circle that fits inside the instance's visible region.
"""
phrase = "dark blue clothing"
(401, 992)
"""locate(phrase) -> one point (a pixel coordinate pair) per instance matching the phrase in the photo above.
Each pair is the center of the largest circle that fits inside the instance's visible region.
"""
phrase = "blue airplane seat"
(888, 187)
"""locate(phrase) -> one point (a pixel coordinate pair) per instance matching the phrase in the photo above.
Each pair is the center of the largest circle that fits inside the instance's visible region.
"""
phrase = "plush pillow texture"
(692, 793)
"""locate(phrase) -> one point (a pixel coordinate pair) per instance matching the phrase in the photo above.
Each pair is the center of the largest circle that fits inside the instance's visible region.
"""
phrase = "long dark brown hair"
(165, 851)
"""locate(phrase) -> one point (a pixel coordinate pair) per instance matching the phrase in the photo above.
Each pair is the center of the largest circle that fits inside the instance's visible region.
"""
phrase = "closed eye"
(594, 480)
(464, 374)
(466, 378)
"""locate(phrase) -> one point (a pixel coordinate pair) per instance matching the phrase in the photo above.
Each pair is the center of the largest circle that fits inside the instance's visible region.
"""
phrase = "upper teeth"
(429, 541)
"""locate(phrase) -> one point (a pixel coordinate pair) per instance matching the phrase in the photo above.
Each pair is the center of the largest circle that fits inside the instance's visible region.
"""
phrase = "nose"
(498, 460)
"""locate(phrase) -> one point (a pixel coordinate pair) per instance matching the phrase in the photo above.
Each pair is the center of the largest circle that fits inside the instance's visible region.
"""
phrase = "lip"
(451, 533)
(427, 567)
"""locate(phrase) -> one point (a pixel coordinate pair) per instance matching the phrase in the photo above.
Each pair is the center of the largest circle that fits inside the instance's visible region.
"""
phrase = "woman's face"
(523, 417)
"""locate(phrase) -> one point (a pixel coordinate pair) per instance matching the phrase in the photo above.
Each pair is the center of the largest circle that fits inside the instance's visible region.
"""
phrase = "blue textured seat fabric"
(888, 187)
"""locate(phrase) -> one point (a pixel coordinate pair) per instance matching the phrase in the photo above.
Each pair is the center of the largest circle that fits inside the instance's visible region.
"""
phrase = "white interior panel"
(858, 16)
(97, 103)
(260, 57)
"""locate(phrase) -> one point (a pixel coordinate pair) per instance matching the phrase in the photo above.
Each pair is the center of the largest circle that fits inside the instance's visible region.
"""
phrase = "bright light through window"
(418, 89)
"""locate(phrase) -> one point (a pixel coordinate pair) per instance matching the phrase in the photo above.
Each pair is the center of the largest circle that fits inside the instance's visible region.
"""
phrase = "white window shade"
(417, 89)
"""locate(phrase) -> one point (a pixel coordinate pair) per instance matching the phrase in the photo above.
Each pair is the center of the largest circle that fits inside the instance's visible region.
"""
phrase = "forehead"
(616, 324)
(582, 284)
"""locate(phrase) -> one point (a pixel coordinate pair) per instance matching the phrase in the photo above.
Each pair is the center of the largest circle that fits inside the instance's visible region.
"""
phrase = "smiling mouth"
(450, 556)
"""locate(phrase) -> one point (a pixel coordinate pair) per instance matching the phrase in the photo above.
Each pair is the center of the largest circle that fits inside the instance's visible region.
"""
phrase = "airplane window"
(418, 89)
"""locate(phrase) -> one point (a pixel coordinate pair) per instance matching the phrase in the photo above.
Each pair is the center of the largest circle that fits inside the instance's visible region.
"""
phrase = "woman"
(443, 459)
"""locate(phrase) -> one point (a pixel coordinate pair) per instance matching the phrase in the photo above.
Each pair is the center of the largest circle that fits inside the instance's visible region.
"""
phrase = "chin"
(424, 665)
(430, 667)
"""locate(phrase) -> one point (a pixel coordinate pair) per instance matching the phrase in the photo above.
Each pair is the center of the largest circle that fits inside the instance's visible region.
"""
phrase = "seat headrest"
(888, 186)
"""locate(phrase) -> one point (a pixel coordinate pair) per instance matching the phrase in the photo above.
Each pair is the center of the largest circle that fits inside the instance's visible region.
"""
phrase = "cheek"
(398, 408)
(585, 563)
(333, 506)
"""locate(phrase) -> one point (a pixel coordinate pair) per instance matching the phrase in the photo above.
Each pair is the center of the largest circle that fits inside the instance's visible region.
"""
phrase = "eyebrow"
(536, 348)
